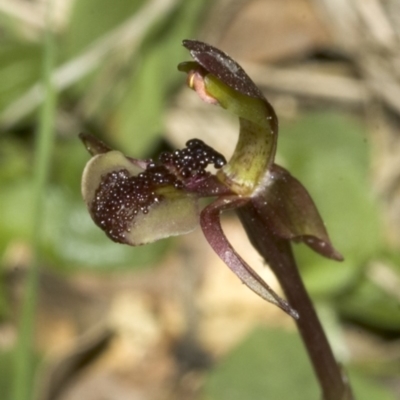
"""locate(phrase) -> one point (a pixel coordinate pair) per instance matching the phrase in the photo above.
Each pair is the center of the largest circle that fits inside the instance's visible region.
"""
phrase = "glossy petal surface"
(134, 206)
(290, 213)
(211, 226)
(223, 67)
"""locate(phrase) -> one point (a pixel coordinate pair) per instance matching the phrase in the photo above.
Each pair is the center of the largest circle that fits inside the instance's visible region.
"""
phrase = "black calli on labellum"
(140, 201)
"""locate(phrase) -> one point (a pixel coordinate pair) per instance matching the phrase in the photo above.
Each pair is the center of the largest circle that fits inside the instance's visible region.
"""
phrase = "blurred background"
(169, 320)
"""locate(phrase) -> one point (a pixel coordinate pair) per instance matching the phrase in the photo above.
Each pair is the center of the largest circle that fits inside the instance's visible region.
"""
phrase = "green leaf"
(269, 364)
(370, 305)
(272, 364)
(328, 153)
(365, 389)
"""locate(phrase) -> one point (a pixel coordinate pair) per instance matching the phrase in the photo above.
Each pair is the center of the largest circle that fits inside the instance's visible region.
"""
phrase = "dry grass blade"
(310, 83)
(129, 34)
(27, 14)
(366, 32)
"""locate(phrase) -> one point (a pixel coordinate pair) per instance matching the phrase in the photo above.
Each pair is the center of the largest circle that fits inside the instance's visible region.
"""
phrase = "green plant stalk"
(22, 388)
(252, 155)
(278, 254)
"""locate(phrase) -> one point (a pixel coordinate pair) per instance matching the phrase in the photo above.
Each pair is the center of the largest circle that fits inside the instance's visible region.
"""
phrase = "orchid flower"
(140, 201)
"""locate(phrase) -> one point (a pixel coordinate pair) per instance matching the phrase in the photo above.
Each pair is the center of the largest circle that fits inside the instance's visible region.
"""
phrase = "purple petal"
(223, 67)
(211, 226)
(289, 211)
(209, 186)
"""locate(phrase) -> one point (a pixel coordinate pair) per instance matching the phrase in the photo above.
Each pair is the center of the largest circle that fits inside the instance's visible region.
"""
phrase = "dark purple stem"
(278, 254)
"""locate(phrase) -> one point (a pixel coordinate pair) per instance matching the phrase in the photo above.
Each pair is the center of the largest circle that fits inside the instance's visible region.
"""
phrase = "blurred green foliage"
(20, 66)
(139, 113)
(329, 154)
(6, 372)
(272, 364)
(126, 109)
(90, 19)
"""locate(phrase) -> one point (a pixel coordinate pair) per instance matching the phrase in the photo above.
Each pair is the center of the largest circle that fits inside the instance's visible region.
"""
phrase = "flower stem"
(278, 254)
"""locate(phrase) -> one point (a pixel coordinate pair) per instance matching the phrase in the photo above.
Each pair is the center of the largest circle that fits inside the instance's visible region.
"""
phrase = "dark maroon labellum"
(120, 197)
(192, 161)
